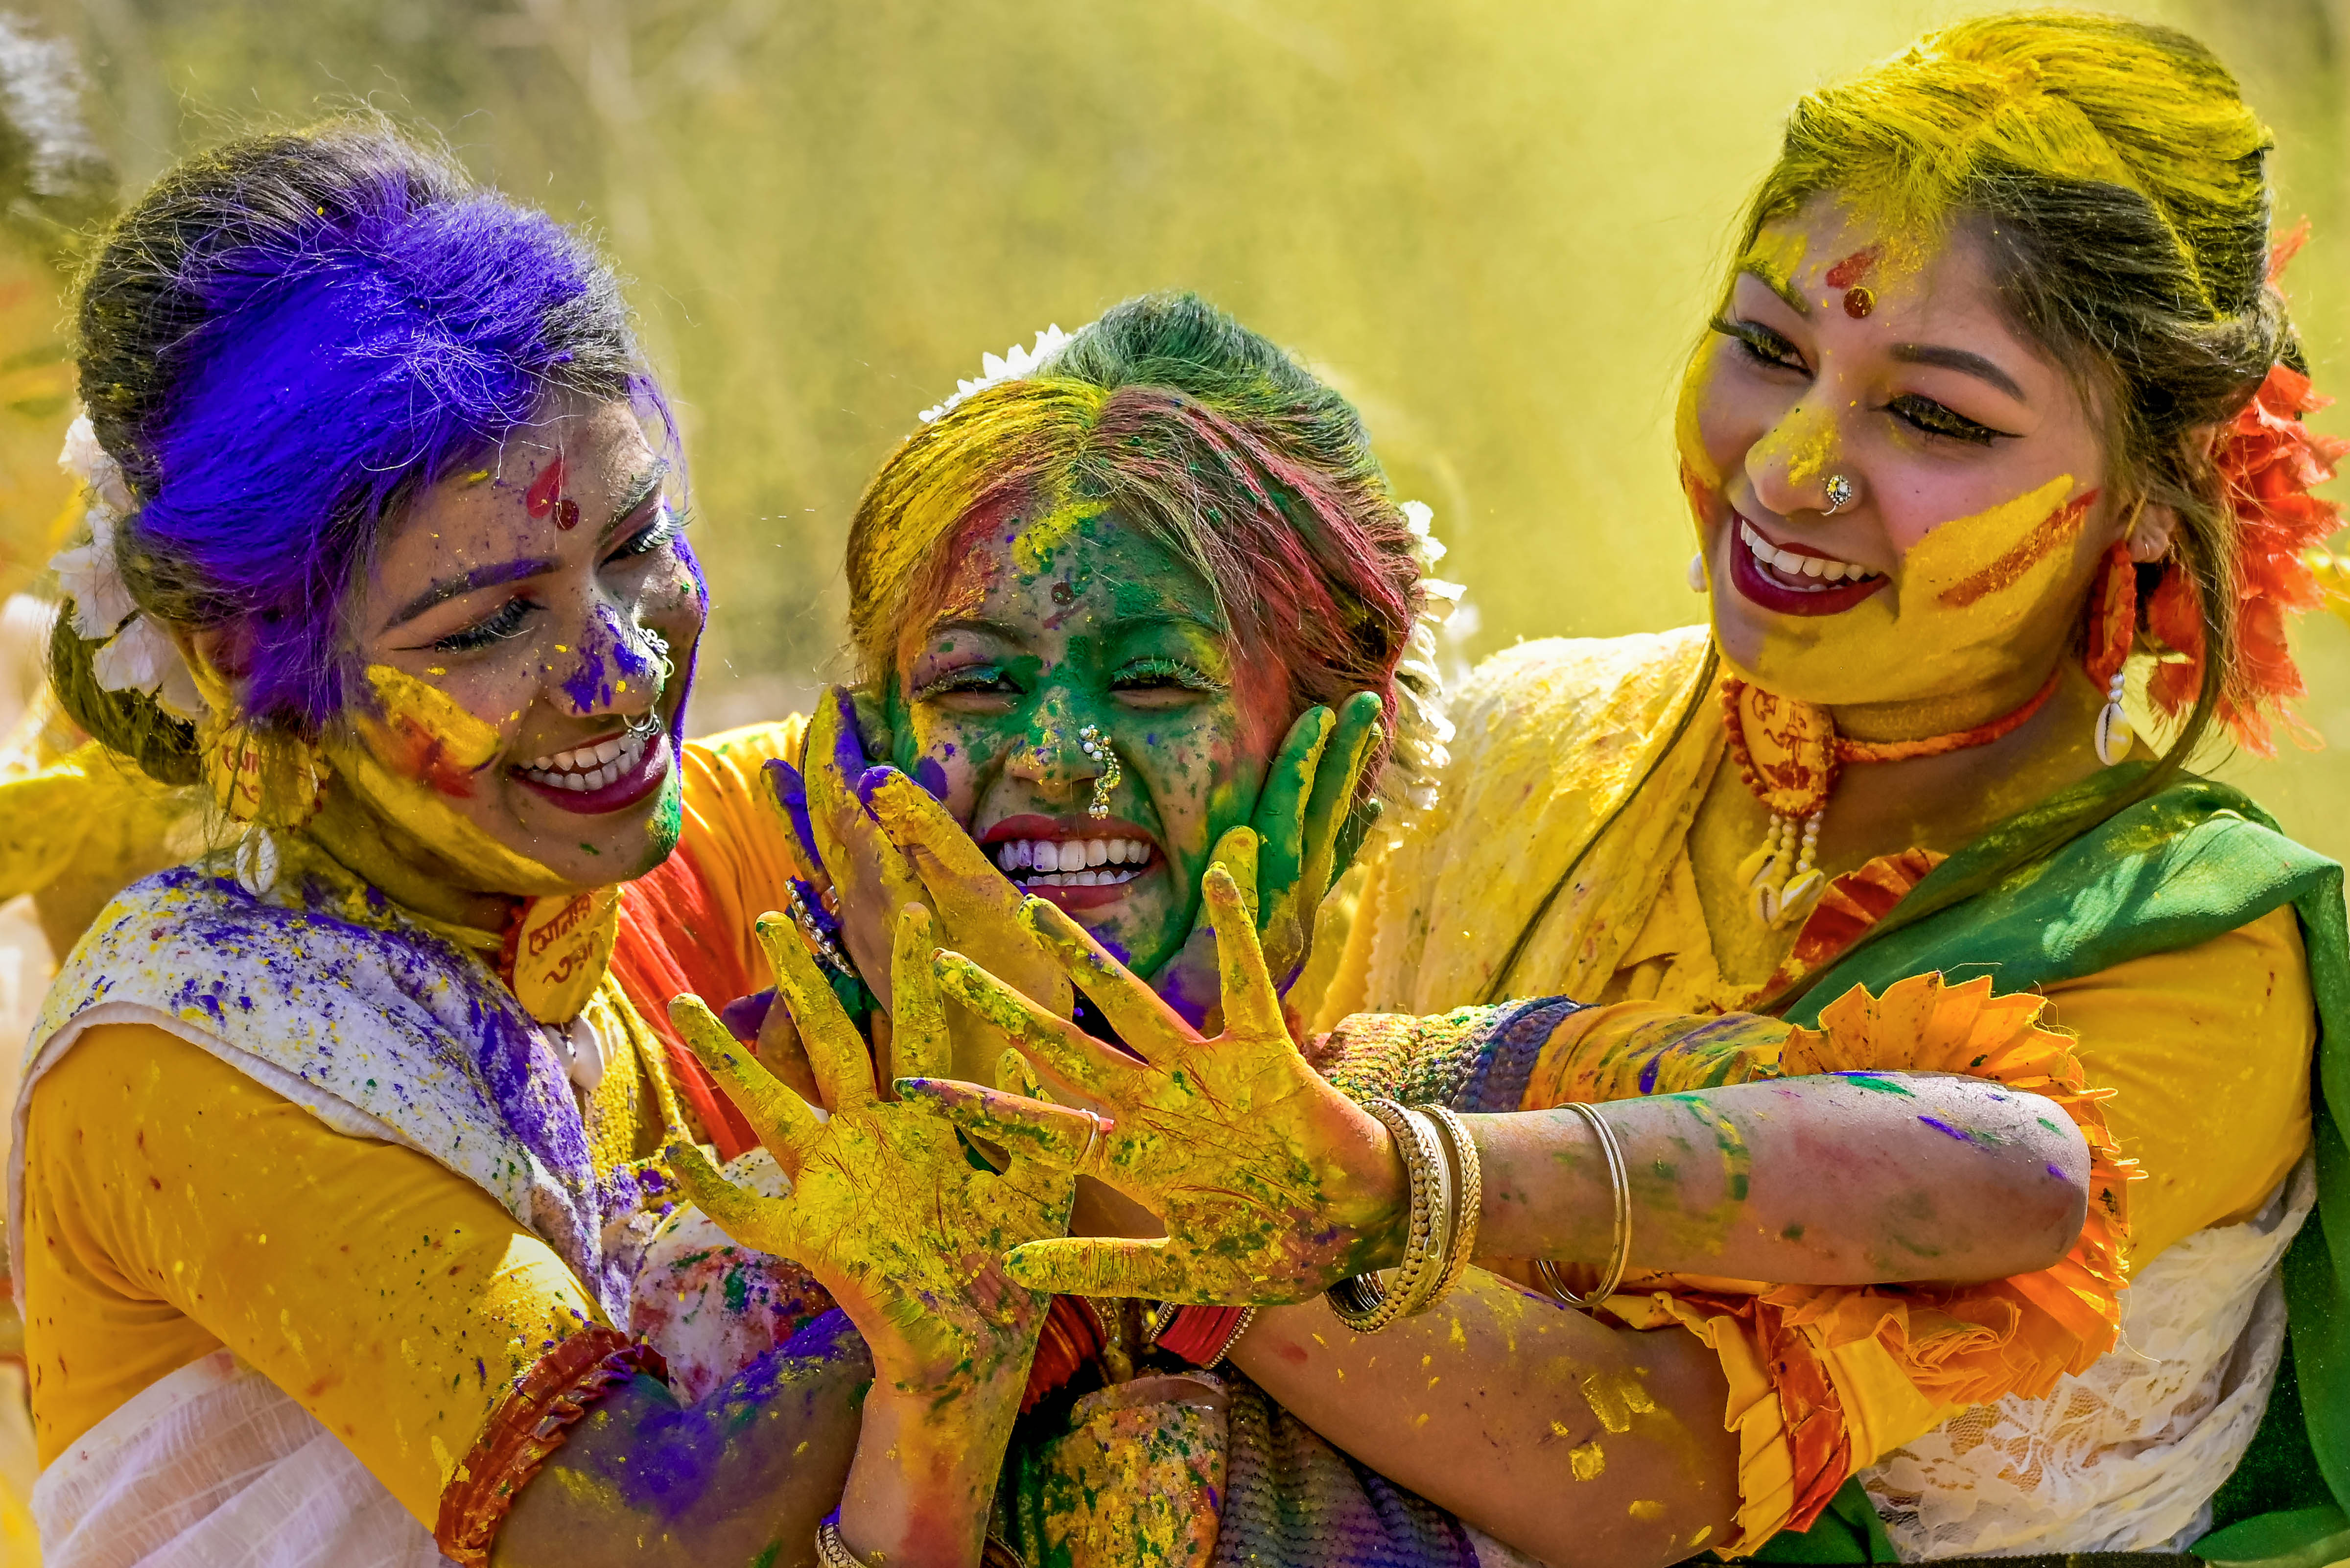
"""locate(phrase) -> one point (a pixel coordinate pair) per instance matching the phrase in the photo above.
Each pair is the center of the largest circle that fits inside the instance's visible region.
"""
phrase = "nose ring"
(1096, 745)
(1841, 492)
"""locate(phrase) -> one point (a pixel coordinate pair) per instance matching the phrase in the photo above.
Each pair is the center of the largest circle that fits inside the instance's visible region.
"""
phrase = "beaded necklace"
(1788, 754)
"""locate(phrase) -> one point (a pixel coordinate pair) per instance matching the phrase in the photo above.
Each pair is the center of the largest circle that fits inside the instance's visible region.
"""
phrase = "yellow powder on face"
(1042, 538)
(1587, 1462)
(1646, 1511)
(2014, 545)
(1948, 623)
(1688, 430)
(409, 761)
(1778, 253)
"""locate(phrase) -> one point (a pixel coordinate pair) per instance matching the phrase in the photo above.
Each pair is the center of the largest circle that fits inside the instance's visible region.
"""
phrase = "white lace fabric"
(2126, 1456)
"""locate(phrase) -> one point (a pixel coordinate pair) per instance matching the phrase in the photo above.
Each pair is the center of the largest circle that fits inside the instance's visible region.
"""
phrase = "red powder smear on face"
(2054, 529)
(1852, 269)
(414, 752)
(546, 490)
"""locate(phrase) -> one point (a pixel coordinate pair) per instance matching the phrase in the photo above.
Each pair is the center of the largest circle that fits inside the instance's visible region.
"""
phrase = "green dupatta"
(2189, 864)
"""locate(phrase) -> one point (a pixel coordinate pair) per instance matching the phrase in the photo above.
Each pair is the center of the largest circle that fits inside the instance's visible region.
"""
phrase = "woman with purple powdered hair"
(342, 1147)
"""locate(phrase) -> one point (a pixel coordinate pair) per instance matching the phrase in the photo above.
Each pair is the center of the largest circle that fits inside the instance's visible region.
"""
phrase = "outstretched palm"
(885, 1210)
(1271, 1185)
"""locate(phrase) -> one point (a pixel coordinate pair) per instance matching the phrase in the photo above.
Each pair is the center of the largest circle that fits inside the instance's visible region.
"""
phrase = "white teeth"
(1068, 862)
(1817, 567)
(586, 768)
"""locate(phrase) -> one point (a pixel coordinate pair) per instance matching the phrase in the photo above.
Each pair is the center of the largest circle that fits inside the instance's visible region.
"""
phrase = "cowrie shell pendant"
(1697, 572)
(2115, 736)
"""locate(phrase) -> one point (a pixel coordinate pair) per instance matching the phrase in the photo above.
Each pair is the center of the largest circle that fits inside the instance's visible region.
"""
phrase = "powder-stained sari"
(2198, 955)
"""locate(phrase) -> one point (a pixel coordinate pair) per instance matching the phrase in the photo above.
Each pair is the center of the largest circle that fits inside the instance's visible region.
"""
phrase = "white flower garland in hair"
(138, 655)
(1422, 731)
(1013, 365)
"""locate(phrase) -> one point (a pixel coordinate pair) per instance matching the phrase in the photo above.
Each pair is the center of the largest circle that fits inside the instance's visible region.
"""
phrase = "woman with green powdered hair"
(1997, 457)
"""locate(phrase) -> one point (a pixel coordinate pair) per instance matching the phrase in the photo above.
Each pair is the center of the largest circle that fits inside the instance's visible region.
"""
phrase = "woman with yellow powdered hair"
(2001, 406)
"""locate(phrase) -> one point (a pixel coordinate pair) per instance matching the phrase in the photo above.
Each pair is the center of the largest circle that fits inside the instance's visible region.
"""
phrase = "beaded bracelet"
(1364, 1303)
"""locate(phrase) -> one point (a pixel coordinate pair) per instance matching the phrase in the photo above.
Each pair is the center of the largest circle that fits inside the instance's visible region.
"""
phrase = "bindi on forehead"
(1848, 274)
(546, 496)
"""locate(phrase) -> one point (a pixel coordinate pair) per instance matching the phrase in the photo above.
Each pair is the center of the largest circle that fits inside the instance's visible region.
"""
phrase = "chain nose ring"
(1840, 493)
(1096, 745)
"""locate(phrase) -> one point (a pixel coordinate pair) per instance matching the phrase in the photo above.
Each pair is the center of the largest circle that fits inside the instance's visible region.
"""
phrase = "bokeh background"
(1498, 225)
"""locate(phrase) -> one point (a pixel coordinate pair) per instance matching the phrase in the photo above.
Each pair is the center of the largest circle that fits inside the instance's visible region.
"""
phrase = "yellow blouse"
(174, 1206)
(1555, 862)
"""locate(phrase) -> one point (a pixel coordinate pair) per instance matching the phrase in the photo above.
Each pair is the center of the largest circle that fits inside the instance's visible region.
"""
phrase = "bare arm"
(1840, 1180)
(751, 1469)
(1572, 1442)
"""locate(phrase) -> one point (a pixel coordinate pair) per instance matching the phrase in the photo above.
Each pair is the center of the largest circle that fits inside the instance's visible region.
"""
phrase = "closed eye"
(1762, 345)
(663, 527)
(1161, 684)
(511, 620)
(978, 686)
(1933, 418)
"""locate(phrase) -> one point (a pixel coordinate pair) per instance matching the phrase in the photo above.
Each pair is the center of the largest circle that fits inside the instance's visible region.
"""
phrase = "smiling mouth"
(1107, 862)
(603, 775)
(592, 767)
(1800, 572)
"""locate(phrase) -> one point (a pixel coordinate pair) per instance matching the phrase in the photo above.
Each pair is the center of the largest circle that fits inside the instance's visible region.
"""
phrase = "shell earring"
(2113, 627)
(1697, 572)
(1840, 493)
(1096, 746)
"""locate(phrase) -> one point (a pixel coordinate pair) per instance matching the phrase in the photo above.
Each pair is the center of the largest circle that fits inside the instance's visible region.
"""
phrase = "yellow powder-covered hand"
(886, 1208)
(1271, 1185)
(1298, 825)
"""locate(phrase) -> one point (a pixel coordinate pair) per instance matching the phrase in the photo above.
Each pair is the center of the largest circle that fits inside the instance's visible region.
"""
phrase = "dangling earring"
(2112, 629)
(265, 783)
(1697, 572)
(1096, 746)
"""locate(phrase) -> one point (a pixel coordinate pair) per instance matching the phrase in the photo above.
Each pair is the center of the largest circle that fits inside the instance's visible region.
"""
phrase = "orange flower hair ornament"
(2268, 460)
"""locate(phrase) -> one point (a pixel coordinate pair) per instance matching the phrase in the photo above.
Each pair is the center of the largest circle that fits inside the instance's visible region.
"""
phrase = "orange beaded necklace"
(1788, 753)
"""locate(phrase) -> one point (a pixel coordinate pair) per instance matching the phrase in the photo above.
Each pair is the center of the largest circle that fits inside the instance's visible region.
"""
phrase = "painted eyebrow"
(479, 578)
(1963, 362)
(640, 491)
(1788, 293)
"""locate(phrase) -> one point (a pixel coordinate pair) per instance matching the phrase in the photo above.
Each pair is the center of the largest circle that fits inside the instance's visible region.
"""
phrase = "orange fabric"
(1850, 905)
(688, 926)
(533, 1420)
(1954, 1346)
(674, 902)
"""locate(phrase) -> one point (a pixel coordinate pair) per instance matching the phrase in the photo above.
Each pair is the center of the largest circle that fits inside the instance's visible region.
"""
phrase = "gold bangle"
(831, 1551)
(1468, 1196)
(1620, 1249)
(1365, 1303)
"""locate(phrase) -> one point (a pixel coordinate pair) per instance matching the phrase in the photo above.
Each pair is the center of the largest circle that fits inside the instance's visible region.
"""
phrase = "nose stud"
(1096, 745)
(1840, 492)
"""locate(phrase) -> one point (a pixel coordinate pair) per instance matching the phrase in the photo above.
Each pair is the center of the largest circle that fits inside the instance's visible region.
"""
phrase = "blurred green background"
(1496, 225)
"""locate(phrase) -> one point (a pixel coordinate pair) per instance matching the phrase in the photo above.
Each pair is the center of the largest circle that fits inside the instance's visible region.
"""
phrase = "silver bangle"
(1620, 1248)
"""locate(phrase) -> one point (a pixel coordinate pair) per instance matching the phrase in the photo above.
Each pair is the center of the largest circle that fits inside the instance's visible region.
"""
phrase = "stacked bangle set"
(1447, 1188)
